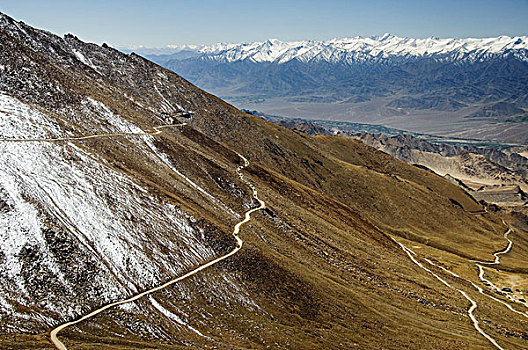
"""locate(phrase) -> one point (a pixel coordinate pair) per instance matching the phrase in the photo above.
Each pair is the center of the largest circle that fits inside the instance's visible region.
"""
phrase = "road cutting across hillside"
(474, 305)
(481, 291)
(496, 261)
(157, 130)
(500, 252)
(247, 217)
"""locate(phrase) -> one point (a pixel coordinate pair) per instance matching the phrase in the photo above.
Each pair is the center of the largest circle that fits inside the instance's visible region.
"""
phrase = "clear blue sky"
(158, 23)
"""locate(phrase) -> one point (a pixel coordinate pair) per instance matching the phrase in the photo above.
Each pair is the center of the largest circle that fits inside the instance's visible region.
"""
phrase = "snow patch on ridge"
(85, 60)
(174, 317)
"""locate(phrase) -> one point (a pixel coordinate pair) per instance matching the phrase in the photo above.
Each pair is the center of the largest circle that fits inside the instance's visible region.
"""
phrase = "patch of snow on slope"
(85, 60)
(19, 226)
(173, 316)
(19, 121)
(107, 119)
(163, 157)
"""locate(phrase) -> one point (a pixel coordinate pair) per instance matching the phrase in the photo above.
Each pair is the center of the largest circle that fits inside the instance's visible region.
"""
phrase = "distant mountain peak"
(385, 36)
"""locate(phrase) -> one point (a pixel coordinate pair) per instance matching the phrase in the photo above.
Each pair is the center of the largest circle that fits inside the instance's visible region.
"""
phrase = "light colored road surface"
(501, 252)
(157, 130)
(497, 262)
(473, 306)
(475, 322)
(247, 217)
(481, 291)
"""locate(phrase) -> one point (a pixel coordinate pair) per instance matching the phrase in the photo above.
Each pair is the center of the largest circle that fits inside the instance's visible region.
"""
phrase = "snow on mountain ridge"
(359, 48)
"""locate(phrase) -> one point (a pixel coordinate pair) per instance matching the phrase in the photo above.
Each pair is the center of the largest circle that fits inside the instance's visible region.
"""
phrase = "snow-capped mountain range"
(354, 49)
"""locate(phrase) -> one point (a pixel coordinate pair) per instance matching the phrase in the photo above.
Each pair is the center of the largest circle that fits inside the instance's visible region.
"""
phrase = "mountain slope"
(87, 222)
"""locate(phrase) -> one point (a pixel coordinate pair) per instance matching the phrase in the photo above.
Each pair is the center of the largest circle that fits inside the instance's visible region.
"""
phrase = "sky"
(157, 23)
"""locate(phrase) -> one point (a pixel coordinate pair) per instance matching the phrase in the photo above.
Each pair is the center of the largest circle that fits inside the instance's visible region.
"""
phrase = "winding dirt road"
(473, 306)
(480, 290)
(487, 282)
(501, 252)
(157, 130)
(479, 264)
(247, 217)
